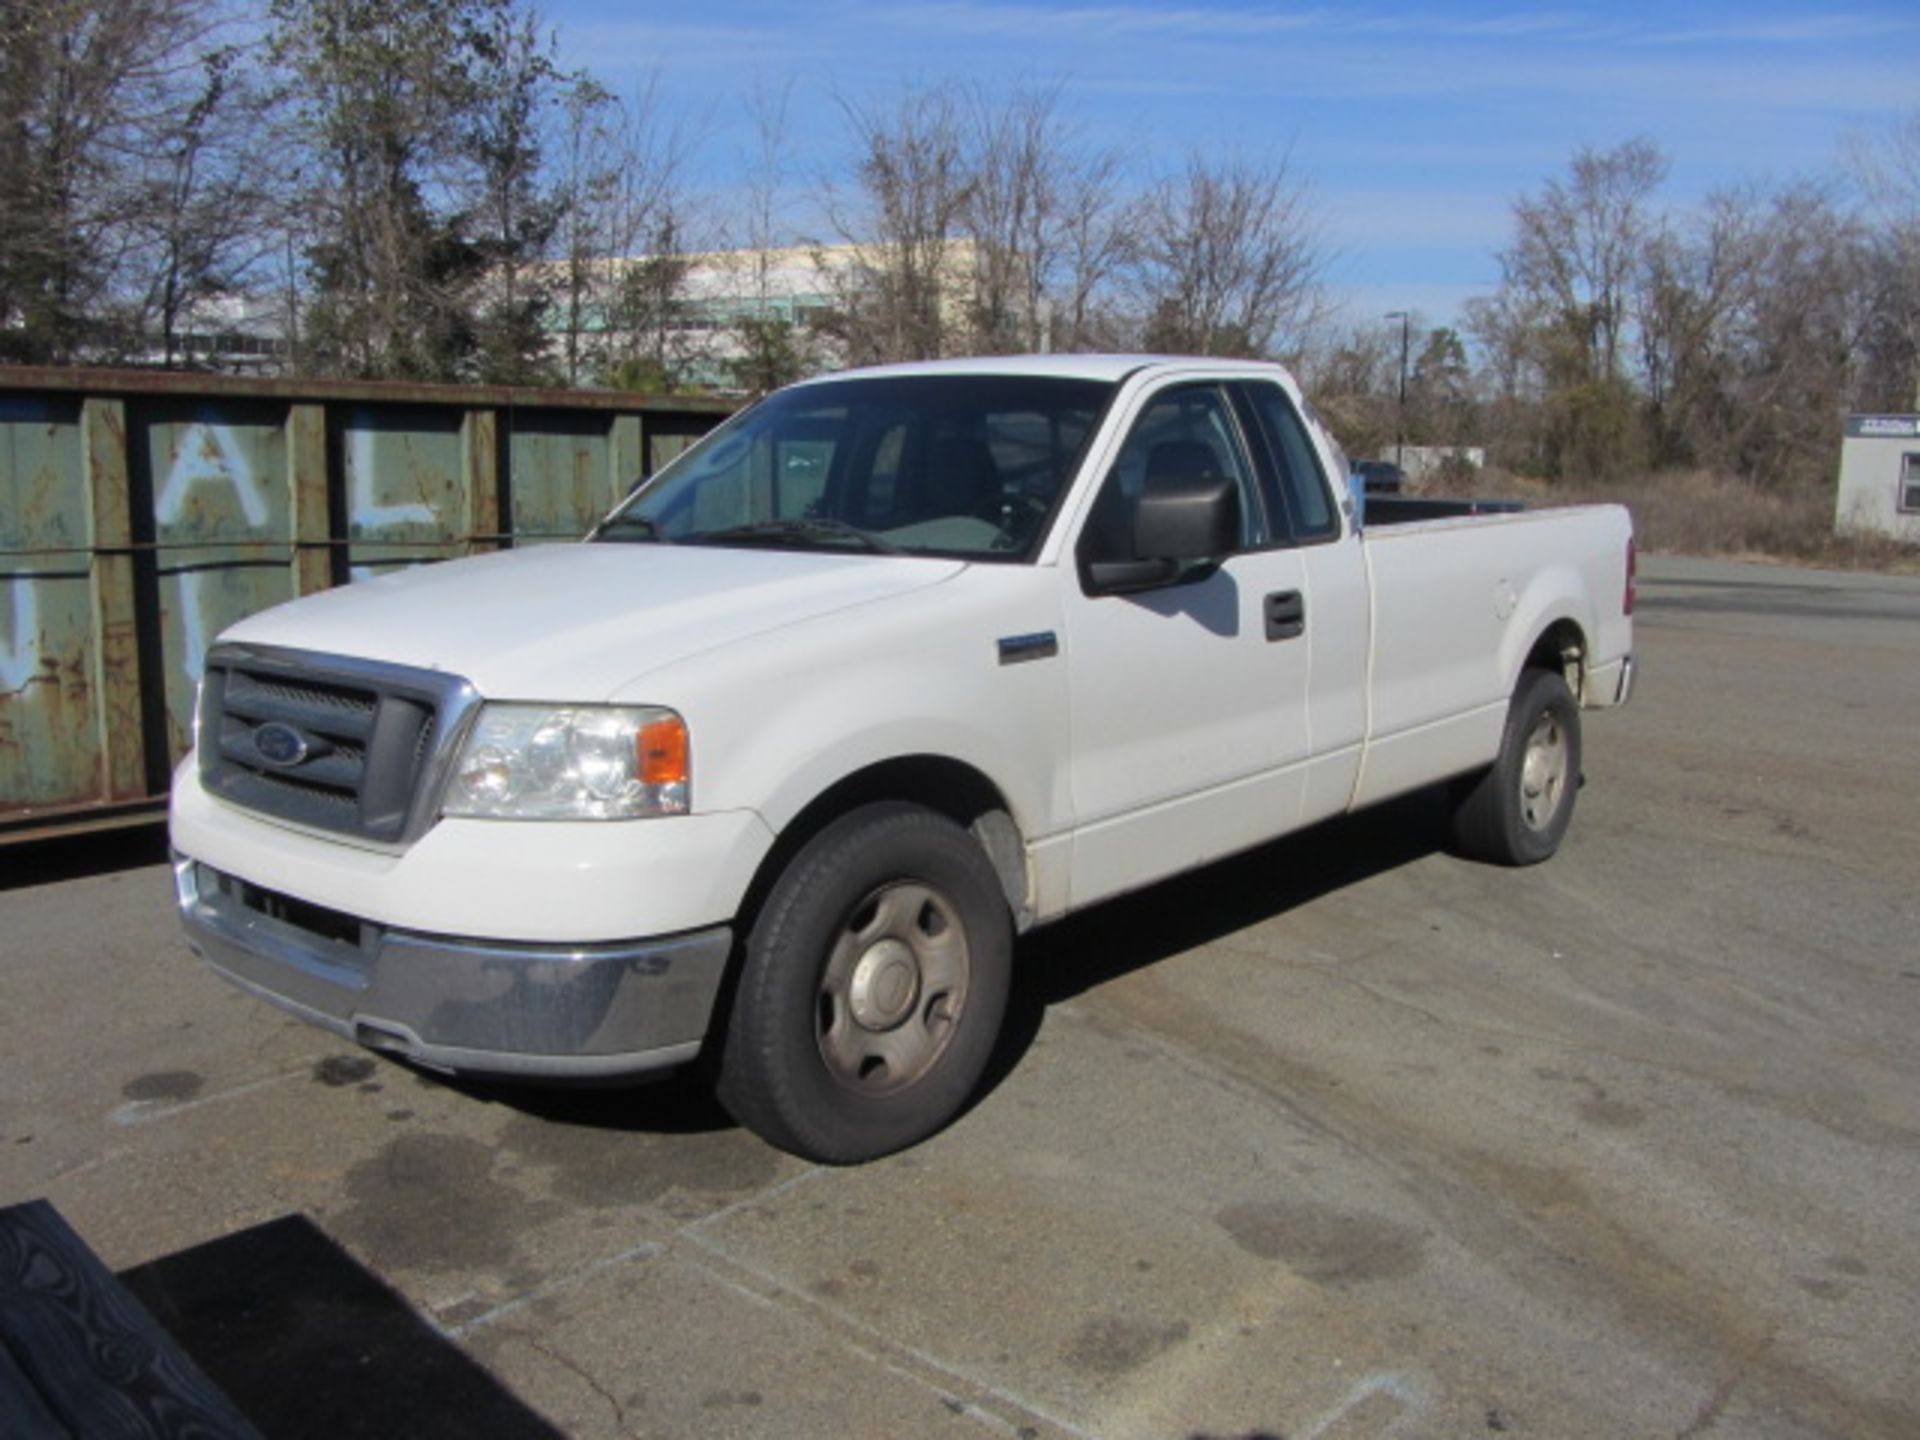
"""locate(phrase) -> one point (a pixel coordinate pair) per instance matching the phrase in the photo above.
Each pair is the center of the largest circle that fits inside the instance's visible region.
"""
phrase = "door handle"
(1286, 615)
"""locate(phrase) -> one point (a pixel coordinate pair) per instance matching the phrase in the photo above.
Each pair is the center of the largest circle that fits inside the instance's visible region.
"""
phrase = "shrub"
(1700, 512)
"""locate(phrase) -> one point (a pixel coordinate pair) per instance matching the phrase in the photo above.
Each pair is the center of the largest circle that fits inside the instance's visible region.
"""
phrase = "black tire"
(872, 988)
(1516, 811)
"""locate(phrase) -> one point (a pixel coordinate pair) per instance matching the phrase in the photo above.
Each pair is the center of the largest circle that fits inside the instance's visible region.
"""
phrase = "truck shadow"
(1060, 961)
(680, 1102)
(307, 1341)
(1086, 951)
(26, 863)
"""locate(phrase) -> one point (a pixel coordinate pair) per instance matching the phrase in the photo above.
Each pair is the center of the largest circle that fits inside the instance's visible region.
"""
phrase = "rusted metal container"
(143, 512)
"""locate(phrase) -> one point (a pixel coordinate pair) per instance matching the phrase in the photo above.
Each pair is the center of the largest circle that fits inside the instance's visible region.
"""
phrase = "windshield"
(970, 466)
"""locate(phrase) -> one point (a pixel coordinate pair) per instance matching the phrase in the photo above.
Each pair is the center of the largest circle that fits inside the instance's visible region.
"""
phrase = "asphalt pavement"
(1342, 1138)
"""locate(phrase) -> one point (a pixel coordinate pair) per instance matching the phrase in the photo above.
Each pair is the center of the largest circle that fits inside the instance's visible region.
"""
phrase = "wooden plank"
(22, 1411)
(626, 457)
(307, 501)
(480, 466)
(116, 678)
(95, 1359)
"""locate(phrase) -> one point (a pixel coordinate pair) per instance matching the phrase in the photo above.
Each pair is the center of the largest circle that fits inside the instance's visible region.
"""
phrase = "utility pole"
(1400, 414)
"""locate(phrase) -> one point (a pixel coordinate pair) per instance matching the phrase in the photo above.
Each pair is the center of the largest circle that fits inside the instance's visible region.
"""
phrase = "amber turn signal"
(662, 750)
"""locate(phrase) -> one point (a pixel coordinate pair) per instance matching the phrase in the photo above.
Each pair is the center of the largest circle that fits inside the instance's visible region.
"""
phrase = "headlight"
(577, 762)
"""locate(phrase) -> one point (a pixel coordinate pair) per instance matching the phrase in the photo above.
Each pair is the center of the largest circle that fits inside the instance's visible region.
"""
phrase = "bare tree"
(1227, 257)
(382, 93)
(206, 226)
(1512, 377)
(107, 113)
(902, 297)
(623, 218)
(588, 150)
(1044, 218)
(769, 344)
(1094, 246)
(654, 342)
(767, 166)
(1757, 326)
(1577, 249)
(1441, 407)
(1567, 304)
(649, 319)
(1011, 157)
(1351, 372)
(1797, 338)
(1887, 165)
(1695, 287)
(514, 205)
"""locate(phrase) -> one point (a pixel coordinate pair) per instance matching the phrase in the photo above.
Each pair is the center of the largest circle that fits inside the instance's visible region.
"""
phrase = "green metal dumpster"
(143, 512)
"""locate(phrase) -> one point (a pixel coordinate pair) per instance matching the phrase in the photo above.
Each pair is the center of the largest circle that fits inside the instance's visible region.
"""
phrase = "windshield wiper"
(807, 530)
(639, 526)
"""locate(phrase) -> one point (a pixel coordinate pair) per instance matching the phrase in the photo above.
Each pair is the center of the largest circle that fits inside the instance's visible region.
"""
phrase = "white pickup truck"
(890, 667)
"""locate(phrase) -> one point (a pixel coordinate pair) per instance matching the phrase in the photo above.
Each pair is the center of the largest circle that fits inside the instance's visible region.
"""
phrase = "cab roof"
(1109, 368)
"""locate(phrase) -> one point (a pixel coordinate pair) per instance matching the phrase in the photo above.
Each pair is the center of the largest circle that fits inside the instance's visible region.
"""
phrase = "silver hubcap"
(893, 988)
(885, 982)
(1543, 772)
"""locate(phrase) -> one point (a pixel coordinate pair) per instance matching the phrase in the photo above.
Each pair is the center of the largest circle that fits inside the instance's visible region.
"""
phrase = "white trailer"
(1880, 477)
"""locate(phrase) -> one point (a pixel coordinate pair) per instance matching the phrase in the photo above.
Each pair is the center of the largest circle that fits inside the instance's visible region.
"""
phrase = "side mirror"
(1188, 519)
(1181, 524)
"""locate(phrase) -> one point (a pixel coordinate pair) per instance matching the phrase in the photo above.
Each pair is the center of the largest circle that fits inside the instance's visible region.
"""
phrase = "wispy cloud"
(1415, 219)
(1308, 52)
(960, 16)
(1022, 17)
(647, 44)
(1813, 29)
(1093, 24)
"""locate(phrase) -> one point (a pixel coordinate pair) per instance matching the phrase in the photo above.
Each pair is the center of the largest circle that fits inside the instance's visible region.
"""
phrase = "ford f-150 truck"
(774, 766)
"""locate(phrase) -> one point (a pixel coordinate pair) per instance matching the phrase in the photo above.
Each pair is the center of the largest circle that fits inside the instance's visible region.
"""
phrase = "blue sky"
(1415, 126)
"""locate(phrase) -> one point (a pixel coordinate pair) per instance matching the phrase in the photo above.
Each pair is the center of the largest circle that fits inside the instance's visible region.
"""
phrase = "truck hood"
(579, 622)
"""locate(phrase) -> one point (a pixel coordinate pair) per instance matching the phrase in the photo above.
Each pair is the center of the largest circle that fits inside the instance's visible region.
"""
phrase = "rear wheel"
(872, 990)
(1517, 811)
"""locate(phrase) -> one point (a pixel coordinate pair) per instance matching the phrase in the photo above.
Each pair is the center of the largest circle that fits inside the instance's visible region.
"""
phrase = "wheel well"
(1561, 647)
(948, 787)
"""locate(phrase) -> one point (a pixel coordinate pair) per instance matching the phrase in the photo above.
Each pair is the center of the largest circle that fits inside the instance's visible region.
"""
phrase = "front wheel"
(872, 989)
(1517, 811)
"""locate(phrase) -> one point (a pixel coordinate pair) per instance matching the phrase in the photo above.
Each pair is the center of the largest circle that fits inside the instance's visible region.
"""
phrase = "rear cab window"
(1296, 484)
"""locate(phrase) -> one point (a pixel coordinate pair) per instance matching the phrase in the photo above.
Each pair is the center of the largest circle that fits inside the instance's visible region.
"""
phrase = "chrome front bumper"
(470, 1006)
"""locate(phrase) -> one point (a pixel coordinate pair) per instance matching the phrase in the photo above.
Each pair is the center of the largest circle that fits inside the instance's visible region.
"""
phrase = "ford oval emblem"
(280, 745)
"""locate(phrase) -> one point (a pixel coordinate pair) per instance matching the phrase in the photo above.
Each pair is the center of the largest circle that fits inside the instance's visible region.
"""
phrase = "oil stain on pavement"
(1317, 1242)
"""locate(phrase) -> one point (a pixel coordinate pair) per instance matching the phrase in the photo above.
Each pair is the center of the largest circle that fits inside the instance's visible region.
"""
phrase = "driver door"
(1189, 702)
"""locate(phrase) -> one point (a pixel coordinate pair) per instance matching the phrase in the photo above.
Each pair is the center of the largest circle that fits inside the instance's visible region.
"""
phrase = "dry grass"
(1696, 512)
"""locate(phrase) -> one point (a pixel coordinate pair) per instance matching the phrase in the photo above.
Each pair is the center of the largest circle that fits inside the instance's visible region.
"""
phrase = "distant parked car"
(1380, 477)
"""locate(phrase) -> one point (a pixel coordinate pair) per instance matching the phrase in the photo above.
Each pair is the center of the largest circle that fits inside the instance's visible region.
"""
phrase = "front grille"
(353, 747)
